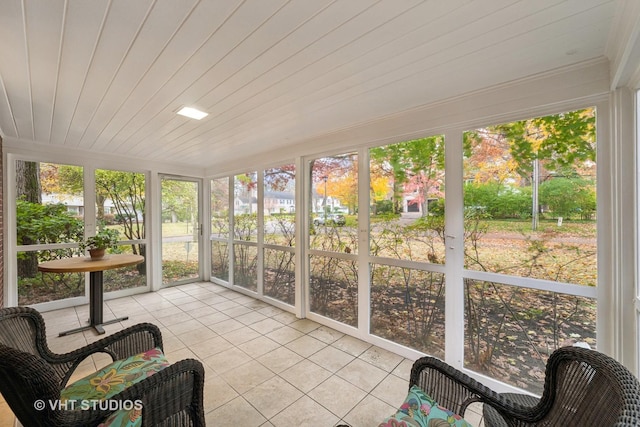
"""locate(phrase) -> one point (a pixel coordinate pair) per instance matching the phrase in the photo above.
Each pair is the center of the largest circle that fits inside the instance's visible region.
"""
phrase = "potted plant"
(104, 239)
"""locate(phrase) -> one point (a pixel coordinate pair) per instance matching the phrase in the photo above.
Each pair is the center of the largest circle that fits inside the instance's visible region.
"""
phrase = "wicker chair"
(30, 373)
(582, 388)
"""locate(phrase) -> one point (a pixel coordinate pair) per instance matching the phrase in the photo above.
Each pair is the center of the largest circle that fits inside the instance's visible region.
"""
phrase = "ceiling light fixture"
(192, 113)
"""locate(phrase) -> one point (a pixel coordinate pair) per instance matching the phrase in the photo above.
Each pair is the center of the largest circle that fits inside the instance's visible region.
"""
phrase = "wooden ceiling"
(109, 75)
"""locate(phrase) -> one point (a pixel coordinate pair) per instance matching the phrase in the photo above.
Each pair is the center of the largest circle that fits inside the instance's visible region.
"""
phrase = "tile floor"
(264, 367)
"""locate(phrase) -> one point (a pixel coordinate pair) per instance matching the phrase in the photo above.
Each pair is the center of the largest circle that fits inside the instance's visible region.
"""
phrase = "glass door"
(181, 230)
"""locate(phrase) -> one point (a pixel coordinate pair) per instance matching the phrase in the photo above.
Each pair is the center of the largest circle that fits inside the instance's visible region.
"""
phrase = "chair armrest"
(455, 390)
(120, 345)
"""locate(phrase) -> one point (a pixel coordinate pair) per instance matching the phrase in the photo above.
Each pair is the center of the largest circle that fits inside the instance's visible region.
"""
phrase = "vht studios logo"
(110, 405)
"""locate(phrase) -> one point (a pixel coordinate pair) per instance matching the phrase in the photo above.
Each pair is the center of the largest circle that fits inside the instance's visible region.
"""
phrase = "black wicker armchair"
(32, 376)
(582, 388)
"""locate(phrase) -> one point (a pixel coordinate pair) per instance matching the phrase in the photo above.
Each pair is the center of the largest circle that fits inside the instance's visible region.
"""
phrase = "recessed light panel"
(192, 113)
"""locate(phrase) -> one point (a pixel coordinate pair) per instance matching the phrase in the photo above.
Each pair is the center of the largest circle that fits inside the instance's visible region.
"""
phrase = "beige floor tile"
(167, 313)
(305, 346)
(192, 307)
(237, 412)
(403, 370)
(225, 305)
(186, 299)
(285, 318)
(383, 359)
(225, 326)
(245, 377)
(270, 311)
(197, 335)
(6, 416)
(332, 358)
(326, 334)
(351, 345)
(273, 396)
(183, 327)
(177, 319)
(473, 415)
(267, 325)
(210, 319)
(258, 346)
(246, 300)
(248, 318)
(305, 375)
(285, 335)
(392, 390)
(216, 392)
(304, 325)
(305, 412)
(279, 359)
(241, 335)
(226, 360)
(172, 343)
(210, 347)
(183, 353)
(363, 374)
(369, 412)
(325, 394)
(241, 310)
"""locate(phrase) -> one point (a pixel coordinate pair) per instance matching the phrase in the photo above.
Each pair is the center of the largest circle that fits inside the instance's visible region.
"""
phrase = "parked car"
(336, 219)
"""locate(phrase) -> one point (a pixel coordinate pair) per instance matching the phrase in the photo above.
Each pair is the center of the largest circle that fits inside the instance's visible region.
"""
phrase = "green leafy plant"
(105, 238)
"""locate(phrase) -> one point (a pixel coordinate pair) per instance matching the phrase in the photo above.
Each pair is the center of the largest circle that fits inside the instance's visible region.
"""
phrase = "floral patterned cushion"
(420, 410)
(115, 377)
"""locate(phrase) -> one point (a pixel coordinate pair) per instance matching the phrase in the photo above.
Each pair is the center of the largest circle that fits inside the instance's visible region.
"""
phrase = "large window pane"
(279, 275)
(333, 203)
(120, 205)
(220, 260)
(406, 183)
(279, 230)
(407, 307)
(279, 205)
(245, 207)
(333, 289)
(510, 332)
(180, 230)
(49, 211)
(44, 287)
(245, 263)
(529, 211)
(126, 277)
(530, 199)
(220, 228)
(220, 207)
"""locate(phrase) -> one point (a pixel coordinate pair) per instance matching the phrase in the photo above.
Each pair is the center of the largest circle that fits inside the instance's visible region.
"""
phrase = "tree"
(560, 144)
(415, 166)
(28, 189)
(567, 196)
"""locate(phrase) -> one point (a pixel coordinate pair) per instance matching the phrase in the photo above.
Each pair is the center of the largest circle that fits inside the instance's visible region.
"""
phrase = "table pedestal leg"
(95, 307)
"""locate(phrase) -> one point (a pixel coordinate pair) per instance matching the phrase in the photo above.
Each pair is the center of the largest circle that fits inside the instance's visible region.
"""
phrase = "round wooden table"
(95, 269)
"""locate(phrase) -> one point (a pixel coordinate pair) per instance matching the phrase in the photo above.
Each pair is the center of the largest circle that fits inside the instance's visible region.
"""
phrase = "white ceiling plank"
(80, 36)
(235, 30)
(319, 77)
(121, 27)
(323, 44)
(161, 24)
(196, 27)
(14, 69)
(44, 30)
